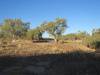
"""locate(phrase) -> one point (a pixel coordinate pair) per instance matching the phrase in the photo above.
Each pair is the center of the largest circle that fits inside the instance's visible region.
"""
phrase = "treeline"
(76, 36)
(13, 28)
(16, 28)
(90, 40)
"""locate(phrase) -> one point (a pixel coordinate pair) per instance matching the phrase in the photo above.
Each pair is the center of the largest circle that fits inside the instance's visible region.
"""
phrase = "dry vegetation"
(65, 56)
(28, 48)
(23, 57)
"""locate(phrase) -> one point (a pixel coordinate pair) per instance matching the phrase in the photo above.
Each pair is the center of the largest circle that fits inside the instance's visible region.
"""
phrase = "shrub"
(4, 34)
(92, 42)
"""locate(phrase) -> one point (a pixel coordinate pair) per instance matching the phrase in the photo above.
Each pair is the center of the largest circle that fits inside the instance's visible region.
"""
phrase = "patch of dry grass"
(27, 48)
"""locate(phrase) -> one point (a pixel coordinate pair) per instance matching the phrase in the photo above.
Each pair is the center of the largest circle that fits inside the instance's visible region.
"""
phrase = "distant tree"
(76, 36)
(56, 28)
(96, 32)
(81, 35)
(16, 27)
(43, 27)
(71, 36)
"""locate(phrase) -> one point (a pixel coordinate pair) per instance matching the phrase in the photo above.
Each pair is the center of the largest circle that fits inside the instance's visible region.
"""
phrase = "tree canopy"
(16, 27)
(54, 28)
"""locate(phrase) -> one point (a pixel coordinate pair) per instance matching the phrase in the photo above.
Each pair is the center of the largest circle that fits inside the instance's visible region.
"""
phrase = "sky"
(81, 15)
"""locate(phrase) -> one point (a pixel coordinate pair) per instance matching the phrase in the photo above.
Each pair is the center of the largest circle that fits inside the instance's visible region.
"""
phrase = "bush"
(4, 34)
(92, 42)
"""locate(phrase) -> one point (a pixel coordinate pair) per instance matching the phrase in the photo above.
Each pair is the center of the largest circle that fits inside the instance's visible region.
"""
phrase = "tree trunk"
(56, 40)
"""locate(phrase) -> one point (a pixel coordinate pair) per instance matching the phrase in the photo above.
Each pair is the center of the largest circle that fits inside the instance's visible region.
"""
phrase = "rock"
(35, 69)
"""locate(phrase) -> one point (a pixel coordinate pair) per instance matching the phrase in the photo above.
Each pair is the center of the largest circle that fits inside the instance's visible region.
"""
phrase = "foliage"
(70, 36)
(92, 42)
(56, 28)
(96, 32)
(4, 35)
(16, 27)
(34, 34)
(81, 35)
(76, 36)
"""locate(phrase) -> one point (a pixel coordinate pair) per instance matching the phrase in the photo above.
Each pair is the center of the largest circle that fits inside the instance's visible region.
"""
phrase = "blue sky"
(81, 15)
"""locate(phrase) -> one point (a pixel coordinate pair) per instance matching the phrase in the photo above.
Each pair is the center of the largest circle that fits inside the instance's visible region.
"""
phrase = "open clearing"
(28, 48)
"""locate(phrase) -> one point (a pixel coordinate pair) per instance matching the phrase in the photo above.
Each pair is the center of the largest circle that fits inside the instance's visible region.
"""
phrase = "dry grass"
(27, 48)
(23, 57)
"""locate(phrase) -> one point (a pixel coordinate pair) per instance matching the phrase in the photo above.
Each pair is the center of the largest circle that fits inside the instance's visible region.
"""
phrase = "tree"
(56, 28)
(35, 34)
(16, 27)
(96, 32)
(81, 35)
(71, 36)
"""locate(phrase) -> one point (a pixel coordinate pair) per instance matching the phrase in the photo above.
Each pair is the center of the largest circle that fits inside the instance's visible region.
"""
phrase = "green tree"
(96, 32)
(56, 28)
(35, 34)
(71, 36)
(16, 27)
(81, 35)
